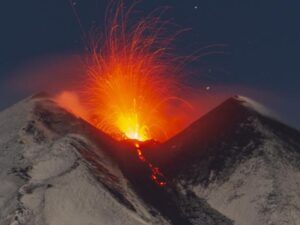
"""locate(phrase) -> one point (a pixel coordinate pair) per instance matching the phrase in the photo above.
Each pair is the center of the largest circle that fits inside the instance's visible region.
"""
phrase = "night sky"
(259, 56)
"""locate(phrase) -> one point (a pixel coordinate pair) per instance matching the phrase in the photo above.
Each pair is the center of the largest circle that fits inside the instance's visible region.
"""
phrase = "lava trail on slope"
(156, 175)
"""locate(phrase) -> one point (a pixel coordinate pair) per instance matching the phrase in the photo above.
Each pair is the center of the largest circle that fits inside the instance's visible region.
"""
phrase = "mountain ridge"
(235, 165)
(57, 169)
(245, 163)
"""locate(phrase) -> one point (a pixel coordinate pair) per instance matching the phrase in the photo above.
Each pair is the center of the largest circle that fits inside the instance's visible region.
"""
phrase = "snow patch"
(250, 103)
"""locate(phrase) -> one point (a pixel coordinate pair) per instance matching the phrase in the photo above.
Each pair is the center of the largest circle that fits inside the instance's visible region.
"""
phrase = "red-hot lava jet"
(133, 81)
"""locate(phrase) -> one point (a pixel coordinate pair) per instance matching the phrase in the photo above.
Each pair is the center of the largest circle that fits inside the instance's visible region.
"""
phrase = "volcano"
(235, 165)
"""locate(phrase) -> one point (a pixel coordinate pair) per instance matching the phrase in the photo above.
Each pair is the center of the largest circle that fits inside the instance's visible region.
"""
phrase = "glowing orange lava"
(156, 175)
(133, 79)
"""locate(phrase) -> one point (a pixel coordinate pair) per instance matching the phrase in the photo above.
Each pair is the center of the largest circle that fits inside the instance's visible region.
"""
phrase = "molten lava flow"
(156, 175)
(133, 81)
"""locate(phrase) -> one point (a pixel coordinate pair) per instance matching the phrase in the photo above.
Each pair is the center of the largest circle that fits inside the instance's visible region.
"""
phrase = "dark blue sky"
(261, 59)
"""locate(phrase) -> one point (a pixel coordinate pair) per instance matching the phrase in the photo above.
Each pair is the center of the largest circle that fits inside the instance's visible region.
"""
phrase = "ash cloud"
(71, 102)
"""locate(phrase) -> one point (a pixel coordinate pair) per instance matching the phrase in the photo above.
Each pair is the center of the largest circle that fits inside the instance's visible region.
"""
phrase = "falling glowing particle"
(208, 88)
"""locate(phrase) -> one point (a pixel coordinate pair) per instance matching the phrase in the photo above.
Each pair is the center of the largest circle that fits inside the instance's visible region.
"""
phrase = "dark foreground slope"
(242, 161)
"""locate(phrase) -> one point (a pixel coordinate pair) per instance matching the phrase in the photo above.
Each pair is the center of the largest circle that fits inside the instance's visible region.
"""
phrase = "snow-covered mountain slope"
(45, 180)
(242, 161)
(56, 169)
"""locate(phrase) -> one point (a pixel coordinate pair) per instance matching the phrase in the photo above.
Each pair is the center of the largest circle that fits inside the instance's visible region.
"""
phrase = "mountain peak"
(44, 149)
(239, 120)
(229, 114)
(236, 158)
(41, 94)
(253, 105)
(241, 160)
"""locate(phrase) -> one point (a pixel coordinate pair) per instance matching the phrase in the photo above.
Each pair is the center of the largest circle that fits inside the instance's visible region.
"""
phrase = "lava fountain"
(133, 78)
(134, 81)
